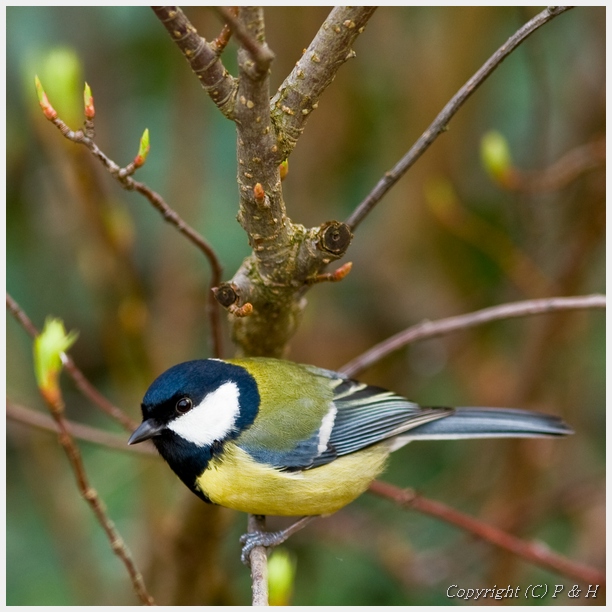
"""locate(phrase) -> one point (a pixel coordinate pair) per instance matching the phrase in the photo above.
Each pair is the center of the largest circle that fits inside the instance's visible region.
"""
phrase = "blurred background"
(448, 239)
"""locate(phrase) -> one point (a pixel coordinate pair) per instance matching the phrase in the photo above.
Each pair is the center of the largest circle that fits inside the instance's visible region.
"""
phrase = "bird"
(273, 437)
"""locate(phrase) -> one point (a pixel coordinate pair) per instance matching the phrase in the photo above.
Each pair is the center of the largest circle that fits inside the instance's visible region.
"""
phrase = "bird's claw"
(267, 539)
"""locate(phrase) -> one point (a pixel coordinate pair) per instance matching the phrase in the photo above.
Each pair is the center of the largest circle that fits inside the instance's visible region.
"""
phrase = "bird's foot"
(268, 539)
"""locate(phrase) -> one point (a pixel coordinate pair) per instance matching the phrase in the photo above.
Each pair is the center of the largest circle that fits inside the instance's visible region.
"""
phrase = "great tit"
(272, 437)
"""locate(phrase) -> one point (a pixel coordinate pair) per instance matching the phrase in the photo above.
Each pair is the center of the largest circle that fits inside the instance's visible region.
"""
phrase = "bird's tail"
(489, 423)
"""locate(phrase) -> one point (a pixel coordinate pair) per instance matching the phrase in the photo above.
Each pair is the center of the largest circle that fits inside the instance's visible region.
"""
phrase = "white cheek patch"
(212, 419)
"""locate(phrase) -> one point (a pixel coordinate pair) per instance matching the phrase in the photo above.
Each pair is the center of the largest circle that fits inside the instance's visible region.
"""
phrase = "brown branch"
(267, 289)
(55, 403)
(261, 54)
(259, 563)
(82, 384)
(35, 418)
(262, 210)
(262, 289)
(260, 281)
(173, 218)
(89, 391)
(203, 57)
(286, 256)
(219, 43)
(20, 316)
(299, 94)
(430, 329)
(533, 552)
(123, 176)
(440, 123)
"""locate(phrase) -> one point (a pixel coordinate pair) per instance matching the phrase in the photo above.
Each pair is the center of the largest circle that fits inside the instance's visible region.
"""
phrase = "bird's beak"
(146, 430)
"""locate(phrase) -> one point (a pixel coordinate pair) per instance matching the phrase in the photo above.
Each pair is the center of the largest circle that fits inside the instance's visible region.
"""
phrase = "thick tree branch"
(203, 57)
(262, 211)
(431, 329)
(440, 123)
(533, 552)
(299, 94)
(265, 294)
(259, 52)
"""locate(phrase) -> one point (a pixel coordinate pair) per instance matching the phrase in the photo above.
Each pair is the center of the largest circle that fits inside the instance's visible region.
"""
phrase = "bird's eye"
(184, 405)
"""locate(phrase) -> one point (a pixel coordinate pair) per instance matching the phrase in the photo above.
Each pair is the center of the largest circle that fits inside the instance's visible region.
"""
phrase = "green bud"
(59, 68)
(47, 109)
(90, 111)
(284, 169)
(281, 577)
(495, 155)
(40, 92)
(48, 347)
(143, 149)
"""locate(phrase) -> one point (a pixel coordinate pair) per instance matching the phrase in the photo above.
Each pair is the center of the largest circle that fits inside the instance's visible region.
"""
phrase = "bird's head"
(191, 409)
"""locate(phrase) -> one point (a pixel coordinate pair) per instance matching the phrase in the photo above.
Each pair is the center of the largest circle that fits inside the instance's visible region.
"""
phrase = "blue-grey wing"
(366, 415)
(359, 415)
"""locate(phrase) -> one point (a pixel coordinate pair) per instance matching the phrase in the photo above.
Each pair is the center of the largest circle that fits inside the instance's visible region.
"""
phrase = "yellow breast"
(237, 481)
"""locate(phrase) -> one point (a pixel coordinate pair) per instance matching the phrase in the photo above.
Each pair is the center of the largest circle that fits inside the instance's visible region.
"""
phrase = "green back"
(288, 391)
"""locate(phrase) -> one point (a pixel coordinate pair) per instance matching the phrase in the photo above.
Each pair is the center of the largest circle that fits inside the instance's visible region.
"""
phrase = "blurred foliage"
(103, 260)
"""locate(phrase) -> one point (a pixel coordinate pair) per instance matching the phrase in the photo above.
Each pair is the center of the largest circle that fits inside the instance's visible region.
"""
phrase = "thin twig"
(440, 123)
(172, 217)
(55, 403)
(123, 176)
(89, 391)
(20, 316)
(35, 418)
(82, 384)
(219, 43)
(430, 329)
(203, 57)
(259, 563)
(261, 54)
(535, 552)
